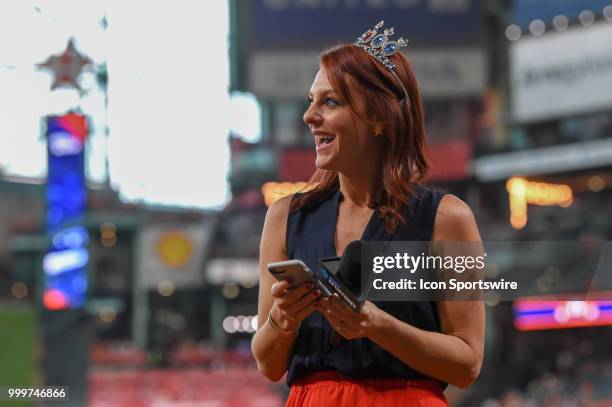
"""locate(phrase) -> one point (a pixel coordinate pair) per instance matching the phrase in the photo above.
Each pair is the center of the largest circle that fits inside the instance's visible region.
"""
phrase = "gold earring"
(378, 130)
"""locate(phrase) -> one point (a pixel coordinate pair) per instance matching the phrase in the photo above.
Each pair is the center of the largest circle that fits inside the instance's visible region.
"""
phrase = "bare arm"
(454, 355)
(273, 350)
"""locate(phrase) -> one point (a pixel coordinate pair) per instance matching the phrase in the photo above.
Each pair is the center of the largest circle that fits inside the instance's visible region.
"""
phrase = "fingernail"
(317, 293)
(309, 286)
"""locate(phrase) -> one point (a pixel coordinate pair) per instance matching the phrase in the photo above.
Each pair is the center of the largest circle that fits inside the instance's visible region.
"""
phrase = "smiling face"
(344, 142)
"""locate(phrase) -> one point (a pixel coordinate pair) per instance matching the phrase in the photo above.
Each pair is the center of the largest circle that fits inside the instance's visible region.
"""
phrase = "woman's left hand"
(348, 323)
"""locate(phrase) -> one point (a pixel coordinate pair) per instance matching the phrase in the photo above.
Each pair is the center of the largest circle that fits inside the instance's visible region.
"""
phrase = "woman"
(366, 117)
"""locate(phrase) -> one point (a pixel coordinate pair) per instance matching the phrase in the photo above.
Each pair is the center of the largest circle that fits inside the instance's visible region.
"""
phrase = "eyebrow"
(324, 93)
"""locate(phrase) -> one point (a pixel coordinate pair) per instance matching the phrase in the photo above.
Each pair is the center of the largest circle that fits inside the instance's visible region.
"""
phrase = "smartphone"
(299, 273)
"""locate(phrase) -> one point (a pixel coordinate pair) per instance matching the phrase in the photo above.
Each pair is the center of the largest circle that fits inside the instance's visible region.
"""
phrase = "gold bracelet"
(280, 330)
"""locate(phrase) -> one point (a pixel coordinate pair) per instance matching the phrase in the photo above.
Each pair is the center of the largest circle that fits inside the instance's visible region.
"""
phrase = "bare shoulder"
(279, 209)
(276, 222)
(455, 221)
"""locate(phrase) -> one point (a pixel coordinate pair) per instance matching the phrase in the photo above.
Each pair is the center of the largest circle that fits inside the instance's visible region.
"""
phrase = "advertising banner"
(550, 82)
(545, 160)
(441, 72)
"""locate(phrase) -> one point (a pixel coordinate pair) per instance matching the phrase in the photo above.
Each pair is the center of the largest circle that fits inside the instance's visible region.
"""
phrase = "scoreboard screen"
(64, 265)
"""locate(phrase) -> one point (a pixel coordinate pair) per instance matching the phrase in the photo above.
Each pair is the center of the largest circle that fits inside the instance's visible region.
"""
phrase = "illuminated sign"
(539, 313)
(64, 265)
(273, 191)
(522, 192)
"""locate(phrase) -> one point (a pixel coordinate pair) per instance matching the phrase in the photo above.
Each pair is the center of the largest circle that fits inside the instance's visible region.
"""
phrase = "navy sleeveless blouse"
(311, 236)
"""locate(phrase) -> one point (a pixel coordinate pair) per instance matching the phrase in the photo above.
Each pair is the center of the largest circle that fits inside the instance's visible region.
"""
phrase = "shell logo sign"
(174, 248)
(173, 254)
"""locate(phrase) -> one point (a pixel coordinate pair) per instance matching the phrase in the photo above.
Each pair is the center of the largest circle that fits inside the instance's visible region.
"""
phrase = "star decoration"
(66, 67)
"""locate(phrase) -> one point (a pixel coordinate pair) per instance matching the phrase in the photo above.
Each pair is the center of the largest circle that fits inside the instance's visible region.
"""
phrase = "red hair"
(403, 130)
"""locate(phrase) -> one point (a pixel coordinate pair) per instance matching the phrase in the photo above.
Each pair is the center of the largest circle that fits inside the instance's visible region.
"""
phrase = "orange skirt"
(330, 388)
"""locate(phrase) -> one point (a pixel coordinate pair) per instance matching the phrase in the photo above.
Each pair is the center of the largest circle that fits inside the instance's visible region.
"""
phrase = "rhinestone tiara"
(379, 46)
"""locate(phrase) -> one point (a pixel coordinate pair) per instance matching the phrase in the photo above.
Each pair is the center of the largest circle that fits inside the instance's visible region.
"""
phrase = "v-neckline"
(367, 233)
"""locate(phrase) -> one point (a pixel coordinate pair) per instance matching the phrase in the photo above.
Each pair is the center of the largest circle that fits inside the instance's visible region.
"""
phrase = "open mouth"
(324, 140)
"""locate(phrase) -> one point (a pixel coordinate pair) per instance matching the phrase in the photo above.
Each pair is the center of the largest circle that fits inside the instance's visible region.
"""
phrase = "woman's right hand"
(292, 304)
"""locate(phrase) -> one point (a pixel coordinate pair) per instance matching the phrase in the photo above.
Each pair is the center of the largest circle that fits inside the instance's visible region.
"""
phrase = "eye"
(331, 102)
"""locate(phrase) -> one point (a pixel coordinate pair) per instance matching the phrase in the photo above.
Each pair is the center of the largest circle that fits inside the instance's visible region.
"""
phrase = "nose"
(311, 116)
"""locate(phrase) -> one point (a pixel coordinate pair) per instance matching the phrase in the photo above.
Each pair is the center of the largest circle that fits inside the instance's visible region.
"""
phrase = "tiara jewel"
(381, 48)
(378, 44)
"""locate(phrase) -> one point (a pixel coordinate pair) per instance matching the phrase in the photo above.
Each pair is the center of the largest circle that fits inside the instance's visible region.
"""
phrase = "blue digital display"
(64, 265)
(526, 11)
(289, 22)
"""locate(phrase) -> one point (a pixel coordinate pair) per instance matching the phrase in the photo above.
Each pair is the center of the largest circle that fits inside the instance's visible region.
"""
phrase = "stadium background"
(159, 300)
